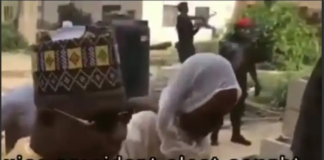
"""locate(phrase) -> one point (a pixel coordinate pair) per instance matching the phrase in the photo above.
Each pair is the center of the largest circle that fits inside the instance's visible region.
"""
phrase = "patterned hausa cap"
(78, 71)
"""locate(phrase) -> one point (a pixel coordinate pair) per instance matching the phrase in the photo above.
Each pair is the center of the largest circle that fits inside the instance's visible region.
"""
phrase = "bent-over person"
(204, 89)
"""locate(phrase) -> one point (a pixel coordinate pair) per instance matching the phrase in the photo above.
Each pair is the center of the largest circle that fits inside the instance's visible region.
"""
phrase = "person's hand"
(257, 90)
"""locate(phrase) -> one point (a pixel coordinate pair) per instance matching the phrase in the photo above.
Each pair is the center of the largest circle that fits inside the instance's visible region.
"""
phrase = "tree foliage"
(295, 42)
(11, 39)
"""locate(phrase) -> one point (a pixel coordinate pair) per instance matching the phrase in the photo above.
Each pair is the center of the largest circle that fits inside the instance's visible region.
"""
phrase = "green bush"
(11, 39)
(295, 42)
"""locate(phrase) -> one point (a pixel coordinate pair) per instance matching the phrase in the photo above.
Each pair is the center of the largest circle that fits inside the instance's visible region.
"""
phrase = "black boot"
(237, 137)
(214, 138)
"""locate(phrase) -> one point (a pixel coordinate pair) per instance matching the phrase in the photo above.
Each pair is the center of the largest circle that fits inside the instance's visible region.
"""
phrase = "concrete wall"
(295, 94)
(153, 11)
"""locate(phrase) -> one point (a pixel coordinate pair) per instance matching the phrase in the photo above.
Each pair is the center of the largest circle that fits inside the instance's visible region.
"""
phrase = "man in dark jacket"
(307, 141)
(235, 49)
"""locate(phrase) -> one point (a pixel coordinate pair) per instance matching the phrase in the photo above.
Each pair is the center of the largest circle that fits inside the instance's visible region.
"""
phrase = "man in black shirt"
(186, 32)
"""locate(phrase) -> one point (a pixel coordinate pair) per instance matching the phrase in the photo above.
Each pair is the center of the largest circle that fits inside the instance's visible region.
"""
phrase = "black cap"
(80, 76)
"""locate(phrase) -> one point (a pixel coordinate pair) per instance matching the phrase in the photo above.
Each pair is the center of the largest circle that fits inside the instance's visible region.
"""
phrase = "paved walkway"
(254, 131)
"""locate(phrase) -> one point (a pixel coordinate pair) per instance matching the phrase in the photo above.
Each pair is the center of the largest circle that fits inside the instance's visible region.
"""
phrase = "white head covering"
(67, 24)
(68, 31)
(200, 77)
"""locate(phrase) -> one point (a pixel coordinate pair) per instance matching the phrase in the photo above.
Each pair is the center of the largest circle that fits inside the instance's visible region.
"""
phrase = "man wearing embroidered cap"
(18, 108)
(80, 98)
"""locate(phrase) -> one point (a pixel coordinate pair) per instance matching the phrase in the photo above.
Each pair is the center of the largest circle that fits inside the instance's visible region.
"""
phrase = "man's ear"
(138, 104)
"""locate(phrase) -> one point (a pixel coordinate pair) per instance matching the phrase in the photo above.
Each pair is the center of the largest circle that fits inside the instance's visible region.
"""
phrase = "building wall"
(27, 21)
(13, 5)
(153, 12)
(147, 10)
(49, 9)
(26, 14)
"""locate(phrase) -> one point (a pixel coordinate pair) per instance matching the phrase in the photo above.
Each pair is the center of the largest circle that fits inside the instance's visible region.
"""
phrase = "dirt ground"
(255, 130)
(16, 70)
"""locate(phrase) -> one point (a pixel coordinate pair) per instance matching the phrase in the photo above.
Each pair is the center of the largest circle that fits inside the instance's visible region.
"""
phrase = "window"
(170, 13)
(8, 13)
(108, 10)
(202, 12)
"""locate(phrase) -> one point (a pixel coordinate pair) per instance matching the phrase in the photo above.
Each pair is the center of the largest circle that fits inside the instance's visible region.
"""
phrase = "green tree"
(295, 42)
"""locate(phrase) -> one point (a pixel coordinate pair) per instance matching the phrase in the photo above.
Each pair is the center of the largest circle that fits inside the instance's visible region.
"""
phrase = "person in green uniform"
(79, 96)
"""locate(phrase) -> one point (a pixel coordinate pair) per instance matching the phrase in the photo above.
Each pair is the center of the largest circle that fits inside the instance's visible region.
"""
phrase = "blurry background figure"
(186, 32)
(307, 141)
(204, 88)
(18, 113)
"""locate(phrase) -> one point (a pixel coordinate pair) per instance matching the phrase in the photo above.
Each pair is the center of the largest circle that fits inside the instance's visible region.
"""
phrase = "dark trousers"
(236, 114)
(185, 50)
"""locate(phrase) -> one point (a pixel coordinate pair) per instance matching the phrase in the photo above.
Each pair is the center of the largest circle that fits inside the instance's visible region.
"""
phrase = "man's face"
(246, 33)
(184, 8)
(97, 138)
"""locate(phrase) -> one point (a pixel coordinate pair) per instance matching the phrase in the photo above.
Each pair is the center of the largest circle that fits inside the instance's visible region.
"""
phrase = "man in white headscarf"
(204, 88)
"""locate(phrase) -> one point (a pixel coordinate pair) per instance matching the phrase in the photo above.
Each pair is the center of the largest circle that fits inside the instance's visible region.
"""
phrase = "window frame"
(202, 7)
(8, 12)
(205, 16)
(169, 16)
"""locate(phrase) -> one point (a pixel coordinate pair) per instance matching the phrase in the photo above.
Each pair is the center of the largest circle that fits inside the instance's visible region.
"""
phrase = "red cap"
(244, 22)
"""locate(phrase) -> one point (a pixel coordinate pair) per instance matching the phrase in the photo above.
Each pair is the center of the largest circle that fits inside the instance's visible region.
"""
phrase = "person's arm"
(195, 17)
(195, 30)
(161, 46)
(254, 75)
